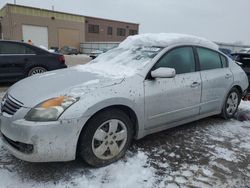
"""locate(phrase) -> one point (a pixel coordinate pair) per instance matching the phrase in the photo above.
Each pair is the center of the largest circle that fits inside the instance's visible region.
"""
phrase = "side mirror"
(163, 73)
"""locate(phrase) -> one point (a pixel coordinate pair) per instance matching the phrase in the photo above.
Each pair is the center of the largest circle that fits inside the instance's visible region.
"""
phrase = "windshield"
(120, 62)
(136, 58)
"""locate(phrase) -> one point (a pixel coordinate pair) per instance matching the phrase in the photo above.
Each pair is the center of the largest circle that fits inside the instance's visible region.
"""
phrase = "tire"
(105, 138)
(231, 104)
(36, 70)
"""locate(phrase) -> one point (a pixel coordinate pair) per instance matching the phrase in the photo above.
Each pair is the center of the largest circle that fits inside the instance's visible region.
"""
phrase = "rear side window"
(209, 59)
(223, 61)
(13, 48)
(181, 59)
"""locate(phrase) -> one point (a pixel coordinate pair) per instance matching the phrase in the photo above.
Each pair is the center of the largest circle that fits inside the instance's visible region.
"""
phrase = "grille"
(10, 105)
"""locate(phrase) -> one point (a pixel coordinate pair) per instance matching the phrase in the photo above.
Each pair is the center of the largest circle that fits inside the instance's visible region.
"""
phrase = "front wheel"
(105, 138)
(231, 104)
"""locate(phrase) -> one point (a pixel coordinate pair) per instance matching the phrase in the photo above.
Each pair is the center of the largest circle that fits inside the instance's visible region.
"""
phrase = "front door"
(168, 100)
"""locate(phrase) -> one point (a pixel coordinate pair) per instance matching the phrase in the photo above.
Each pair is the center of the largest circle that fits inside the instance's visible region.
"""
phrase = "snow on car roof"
(164, 40)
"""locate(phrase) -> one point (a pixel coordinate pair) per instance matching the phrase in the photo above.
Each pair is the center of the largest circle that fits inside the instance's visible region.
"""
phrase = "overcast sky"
(218, 20)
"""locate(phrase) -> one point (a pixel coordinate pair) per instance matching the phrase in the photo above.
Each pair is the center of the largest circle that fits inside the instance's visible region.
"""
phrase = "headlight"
(51, 109)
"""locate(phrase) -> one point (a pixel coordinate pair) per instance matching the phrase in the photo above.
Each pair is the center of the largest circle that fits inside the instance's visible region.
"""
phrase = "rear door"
(13, 59)
(217, 79)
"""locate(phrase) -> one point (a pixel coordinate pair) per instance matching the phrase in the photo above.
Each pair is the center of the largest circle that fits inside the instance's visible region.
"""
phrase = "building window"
(110, 30)
(133, 32)
(121, 32)
(93, 28)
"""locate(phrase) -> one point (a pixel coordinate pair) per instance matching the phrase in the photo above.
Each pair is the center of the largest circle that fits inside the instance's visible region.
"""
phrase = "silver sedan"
(149, 83)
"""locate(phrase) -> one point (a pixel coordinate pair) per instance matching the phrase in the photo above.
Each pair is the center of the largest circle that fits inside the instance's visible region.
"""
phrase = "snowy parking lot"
(208, 153)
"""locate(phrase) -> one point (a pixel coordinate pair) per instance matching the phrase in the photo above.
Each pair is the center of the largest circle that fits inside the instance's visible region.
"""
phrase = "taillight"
(61, 58)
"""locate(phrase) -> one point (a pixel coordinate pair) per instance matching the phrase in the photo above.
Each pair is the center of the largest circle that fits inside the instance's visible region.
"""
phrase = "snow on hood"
(164, 40)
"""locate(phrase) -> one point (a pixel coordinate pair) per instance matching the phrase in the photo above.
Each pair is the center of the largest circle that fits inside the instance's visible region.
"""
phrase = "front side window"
(181, 59)
(209, 59)
(12, 48)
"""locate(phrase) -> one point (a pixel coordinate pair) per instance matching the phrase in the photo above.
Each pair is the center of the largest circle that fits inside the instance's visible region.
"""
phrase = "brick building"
(57, 29)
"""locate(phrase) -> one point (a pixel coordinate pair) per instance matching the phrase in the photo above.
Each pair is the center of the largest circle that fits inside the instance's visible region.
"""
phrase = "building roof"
(21, 9)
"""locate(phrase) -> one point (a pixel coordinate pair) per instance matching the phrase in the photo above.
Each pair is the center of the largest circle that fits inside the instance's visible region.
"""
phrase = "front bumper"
(47, 141)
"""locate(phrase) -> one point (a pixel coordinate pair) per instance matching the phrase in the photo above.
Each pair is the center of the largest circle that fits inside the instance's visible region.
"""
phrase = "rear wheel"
(105, 138)
(36, 70)
(231, 104)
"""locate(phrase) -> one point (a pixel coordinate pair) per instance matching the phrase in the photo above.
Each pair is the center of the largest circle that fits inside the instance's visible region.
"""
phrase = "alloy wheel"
(232, 103)
(109, 139)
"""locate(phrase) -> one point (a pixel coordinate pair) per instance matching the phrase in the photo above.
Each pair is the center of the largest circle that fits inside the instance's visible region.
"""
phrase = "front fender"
(85, 110)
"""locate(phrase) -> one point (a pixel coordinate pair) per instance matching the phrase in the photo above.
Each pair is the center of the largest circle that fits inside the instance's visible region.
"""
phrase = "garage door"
(38, 35)
(69, 37)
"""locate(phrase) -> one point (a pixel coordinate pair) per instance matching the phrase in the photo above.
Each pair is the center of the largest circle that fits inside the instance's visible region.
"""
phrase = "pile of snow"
(126, 61)
(164, 40)
(131, 173)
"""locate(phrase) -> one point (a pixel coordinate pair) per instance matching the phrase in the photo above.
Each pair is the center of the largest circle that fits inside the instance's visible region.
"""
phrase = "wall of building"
(103, 27)
(6, 31)
(62, 27)
(54, 25)
(17, 16)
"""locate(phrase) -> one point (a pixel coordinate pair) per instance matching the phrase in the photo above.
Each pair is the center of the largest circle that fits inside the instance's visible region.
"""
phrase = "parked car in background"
(69, 50)
(150, 83)
(95, 53)
(226, 51)
(244, 62)
(19, 60)
(245, 50)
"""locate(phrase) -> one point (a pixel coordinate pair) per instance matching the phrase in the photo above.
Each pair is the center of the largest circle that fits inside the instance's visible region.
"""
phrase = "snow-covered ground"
(208, 153)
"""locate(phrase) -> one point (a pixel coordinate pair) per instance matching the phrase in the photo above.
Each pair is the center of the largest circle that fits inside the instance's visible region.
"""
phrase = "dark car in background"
(69, 50)
(19, 60)
(244, 62)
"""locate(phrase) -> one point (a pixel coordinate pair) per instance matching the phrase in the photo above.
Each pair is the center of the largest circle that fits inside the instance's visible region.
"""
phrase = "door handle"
(195, 84)
(228, 76)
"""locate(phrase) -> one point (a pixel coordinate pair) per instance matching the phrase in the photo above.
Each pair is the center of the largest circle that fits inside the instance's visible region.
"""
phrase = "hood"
(72, 82)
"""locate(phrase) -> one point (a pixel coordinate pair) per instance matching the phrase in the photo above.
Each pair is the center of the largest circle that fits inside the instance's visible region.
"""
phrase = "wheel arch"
(124, 108)
(238, 88)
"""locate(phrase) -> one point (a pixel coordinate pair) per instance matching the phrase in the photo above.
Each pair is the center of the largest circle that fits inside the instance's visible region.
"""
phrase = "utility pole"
(14, 1)
(53, 7)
